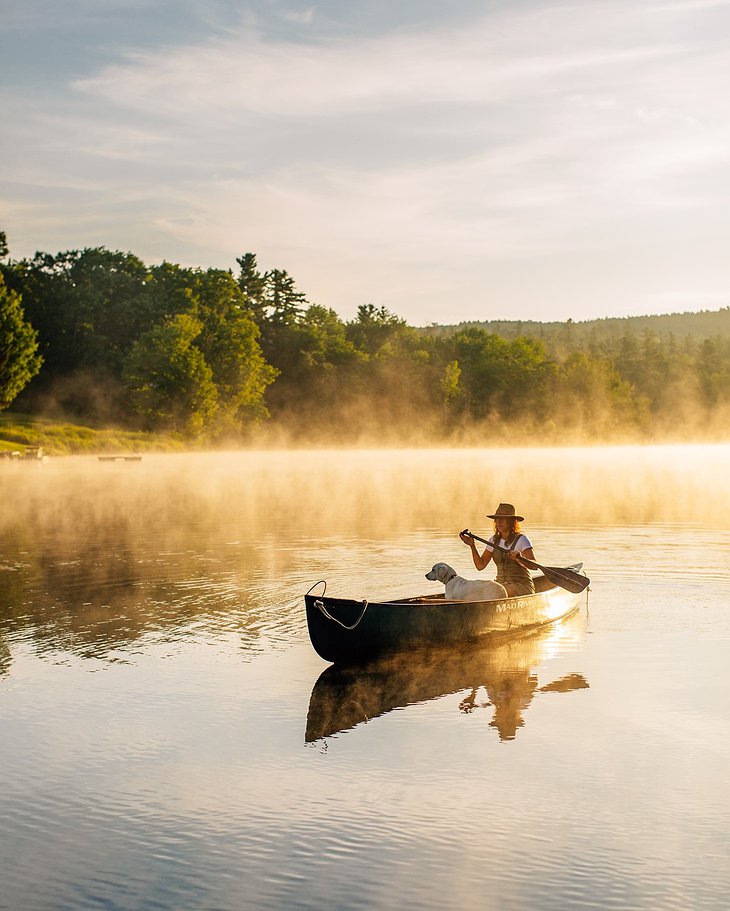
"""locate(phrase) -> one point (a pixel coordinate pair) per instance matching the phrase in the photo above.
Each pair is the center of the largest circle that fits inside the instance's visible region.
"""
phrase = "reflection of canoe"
(347, 695)
(354, 631)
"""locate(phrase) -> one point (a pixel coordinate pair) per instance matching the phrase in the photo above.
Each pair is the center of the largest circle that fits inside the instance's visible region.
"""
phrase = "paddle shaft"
(565, 578)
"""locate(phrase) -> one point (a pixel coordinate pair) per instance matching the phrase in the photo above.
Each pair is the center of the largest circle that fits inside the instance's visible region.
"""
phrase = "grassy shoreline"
(20, 432)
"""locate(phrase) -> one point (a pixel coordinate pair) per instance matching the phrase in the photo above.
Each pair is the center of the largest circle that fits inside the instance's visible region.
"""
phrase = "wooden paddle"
(566, 578)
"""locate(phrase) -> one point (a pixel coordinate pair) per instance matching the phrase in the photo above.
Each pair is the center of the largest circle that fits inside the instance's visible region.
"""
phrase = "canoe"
(346, 631)
(501, 679)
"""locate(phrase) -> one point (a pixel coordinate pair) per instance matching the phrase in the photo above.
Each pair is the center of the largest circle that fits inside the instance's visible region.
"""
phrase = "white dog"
(458, 589)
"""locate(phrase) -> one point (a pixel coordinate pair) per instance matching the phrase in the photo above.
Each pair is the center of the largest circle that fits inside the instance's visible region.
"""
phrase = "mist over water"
(170, 739)
(285, 494)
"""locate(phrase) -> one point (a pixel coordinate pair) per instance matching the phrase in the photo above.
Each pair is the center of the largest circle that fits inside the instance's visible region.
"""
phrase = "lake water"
(170, 740)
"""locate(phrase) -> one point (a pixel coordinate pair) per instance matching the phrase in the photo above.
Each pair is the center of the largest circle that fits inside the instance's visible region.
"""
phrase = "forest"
(240, 356)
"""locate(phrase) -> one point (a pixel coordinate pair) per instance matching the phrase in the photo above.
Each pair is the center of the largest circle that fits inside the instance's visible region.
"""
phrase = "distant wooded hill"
(573, 335)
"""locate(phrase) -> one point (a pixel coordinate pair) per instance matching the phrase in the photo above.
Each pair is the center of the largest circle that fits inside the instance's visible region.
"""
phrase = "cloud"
(539, 131)
(42, 14)
(560, 73)
(244, 73)
(303, 17)
(692, 6)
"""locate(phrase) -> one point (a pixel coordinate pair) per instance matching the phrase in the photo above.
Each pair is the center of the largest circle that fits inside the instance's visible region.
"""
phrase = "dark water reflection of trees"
(115, 578)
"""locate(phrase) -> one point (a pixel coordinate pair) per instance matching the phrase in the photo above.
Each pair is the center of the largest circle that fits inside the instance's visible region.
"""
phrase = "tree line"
(225, 356)
(562, 337)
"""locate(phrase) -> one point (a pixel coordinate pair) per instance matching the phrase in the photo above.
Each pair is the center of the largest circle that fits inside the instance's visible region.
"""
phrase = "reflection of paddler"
(510, 695)
(344, 697)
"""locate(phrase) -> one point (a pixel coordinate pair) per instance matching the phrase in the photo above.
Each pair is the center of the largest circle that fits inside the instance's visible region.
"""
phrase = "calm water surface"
(169, 739)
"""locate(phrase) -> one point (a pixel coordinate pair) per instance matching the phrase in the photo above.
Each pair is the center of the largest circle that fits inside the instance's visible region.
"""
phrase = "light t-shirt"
(523, 543)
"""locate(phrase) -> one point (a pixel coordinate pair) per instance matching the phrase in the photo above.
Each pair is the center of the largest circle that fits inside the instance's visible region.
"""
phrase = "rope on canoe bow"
(328, 615)
(320, 605)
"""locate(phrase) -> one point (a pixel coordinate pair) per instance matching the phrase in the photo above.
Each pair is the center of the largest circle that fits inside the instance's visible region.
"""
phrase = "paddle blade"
(566, 578)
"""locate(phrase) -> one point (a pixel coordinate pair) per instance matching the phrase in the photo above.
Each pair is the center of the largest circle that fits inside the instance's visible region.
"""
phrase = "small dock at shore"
(29, 454)
(120, 458)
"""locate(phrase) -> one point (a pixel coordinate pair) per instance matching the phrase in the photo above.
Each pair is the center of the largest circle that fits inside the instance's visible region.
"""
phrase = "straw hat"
(506, 511)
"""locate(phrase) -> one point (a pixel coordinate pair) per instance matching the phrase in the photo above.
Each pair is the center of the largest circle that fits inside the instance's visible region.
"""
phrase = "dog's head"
(441, 572)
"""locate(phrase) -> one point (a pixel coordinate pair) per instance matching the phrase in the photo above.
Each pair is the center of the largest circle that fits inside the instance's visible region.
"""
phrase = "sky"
(450, 161)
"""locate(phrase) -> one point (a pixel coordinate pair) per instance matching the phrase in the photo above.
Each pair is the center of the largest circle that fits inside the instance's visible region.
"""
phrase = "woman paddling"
(510, 572)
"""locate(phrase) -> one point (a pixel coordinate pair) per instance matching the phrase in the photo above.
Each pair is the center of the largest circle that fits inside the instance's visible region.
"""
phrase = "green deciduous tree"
(229, 341)
(319, 370)
(501, 379)
(449, 382)
(374, 328)
(88, 306)
(19, 358)
(170, 382)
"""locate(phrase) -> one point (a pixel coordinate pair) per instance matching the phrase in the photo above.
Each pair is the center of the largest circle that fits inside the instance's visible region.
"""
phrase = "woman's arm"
(480, 560)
